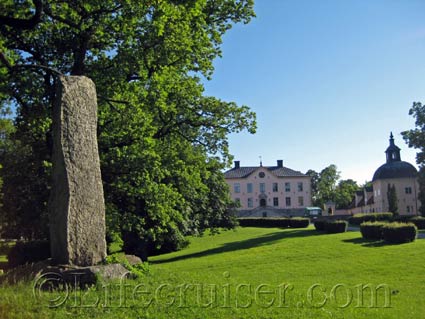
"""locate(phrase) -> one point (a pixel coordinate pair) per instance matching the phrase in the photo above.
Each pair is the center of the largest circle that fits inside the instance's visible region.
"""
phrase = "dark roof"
(398, 169)
(243, 172)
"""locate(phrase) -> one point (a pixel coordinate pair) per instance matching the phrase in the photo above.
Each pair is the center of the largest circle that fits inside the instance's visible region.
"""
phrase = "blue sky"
(328, 80)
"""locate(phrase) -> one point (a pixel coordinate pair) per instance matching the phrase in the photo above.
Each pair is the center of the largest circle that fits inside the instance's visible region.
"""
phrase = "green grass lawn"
(252, 273)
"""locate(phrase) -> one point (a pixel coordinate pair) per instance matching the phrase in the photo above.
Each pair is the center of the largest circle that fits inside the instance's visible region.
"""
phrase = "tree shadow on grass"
(244, 244)
(366, 242)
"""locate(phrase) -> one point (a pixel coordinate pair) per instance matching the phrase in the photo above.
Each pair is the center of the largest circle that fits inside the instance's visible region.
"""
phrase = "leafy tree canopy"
(158, 132)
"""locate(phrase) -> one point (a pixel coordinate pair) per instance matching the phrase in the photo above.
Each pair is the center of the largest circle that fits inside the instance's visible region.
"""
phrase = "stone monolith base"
(76, 206)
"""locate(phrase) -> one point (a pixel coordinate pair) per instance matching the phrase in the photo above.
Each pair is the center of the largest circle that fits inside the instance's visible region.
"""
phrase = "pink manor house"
(270, 191)
(278, 191)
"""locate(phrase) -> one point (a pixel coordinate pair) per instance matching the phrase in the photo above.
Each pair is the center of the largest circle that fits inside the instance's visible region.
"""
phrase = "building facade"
(395, 172)
(273, 191)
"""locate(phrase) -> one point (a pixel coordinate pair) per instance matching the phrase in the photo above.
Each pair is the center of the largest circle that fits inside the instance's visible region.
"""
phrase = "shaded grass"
(252, 257)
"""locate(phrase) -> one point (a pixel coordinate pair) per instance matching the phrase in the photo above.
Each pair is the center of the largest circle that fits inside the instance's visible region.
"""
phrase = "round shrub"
(337, 226)
(320, 224)
(358, 219)
(263, 222)
(397, 233)
(372, 230)
(402, 218)
(419, 222)
(28, 252)
(299, 222)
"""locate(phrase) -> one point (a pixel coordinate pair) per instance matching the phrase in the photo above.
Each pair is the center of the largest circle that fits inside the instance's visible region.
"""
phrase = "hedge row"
(396, 233)
(372, 230)
(419, 222)
(28, 252)
(331, 227)
(296, 222)
(358, 219)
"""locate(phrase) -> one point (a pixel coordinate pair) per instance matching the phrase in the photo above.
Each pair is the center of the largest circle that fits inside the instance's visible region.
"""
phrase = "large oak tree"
(162, 142)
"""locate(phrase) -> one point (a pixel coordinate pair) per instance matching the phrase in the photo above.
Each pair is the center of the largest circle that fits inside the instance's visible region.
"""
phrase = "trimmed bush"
(299, 222)
(336, 226)
(263, 222)
(358, 219)
(419, 222)
(398, 233)
(372, 230)
(28, 252)
(320, 225)
(402, 218)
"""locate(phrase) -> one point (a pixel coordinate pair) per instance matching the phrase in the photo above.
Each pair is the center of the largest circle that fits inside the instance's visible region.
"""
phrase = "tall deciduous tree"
(344, 193)
(416, 139)
(392, 199)
(157, 130)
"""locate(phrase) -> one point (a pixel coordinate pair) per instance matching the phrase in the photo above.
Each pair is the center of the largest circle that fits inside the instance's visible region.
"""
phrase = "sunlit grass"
(254, 273)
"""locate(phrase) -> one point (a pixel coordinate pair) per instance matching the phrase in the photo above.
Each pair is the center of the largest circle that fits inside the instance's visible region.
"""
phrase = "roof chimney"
(279, 163)
(237, 164)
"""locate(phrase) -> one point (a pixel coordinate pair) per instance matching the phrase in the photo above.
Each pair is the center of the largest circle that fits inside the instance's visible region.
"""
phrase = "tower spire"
(261, 161)
(393, 152)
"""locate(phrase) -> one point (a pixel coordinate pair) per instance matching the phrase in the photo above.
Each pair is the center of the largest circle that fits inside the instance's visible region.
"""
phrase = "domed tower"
(402, 175)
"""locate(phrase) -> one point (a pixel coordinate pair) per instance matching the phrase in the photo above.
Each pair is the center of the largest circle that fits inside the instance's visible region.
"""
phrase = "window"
(262, 187)
(300, 201)
(237, 187)
(264, 214)
(408, 190)
(300, 186)
(263, 202)
(275, 201)
(288, 201)
(275, 187)
(249, 188)
(250, 203)
(287, 187)
(261, 174)
(408, 209)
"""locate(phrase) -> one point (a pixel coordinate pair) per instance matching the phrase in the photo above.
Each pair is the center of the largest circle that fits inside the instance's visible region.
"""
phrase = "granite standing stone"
(76, 206)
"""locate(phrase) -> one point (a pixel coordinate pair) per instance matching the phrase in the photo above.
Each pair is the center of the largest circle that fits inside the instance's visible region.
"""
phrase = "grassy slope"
(255, 256)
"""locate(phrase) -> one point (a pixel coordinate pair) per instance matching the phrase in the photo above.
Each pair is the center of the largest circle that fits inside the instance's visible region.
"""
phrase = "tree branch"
(24, 24)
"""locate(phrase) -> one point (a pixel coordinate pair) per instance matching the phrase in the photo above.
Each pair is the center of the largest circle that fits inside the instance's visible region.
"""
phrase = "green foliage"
(320, 225)
(114, 242)
(28, 252)
(419, 222)
(336, 226)
(326, 186)
(357, 219)
(372, 230)
(344, 193)
(137, 270)
(263, 222)
(416, 138)
(299, 222)
(331, 226)
(163, 143)
(398, 233)
(392, 199)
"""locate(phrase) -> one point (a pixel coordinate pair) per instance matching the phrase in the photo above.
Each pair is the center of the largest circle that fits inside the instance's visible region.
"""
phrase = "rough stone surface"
(133, 260)
(76, 206)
